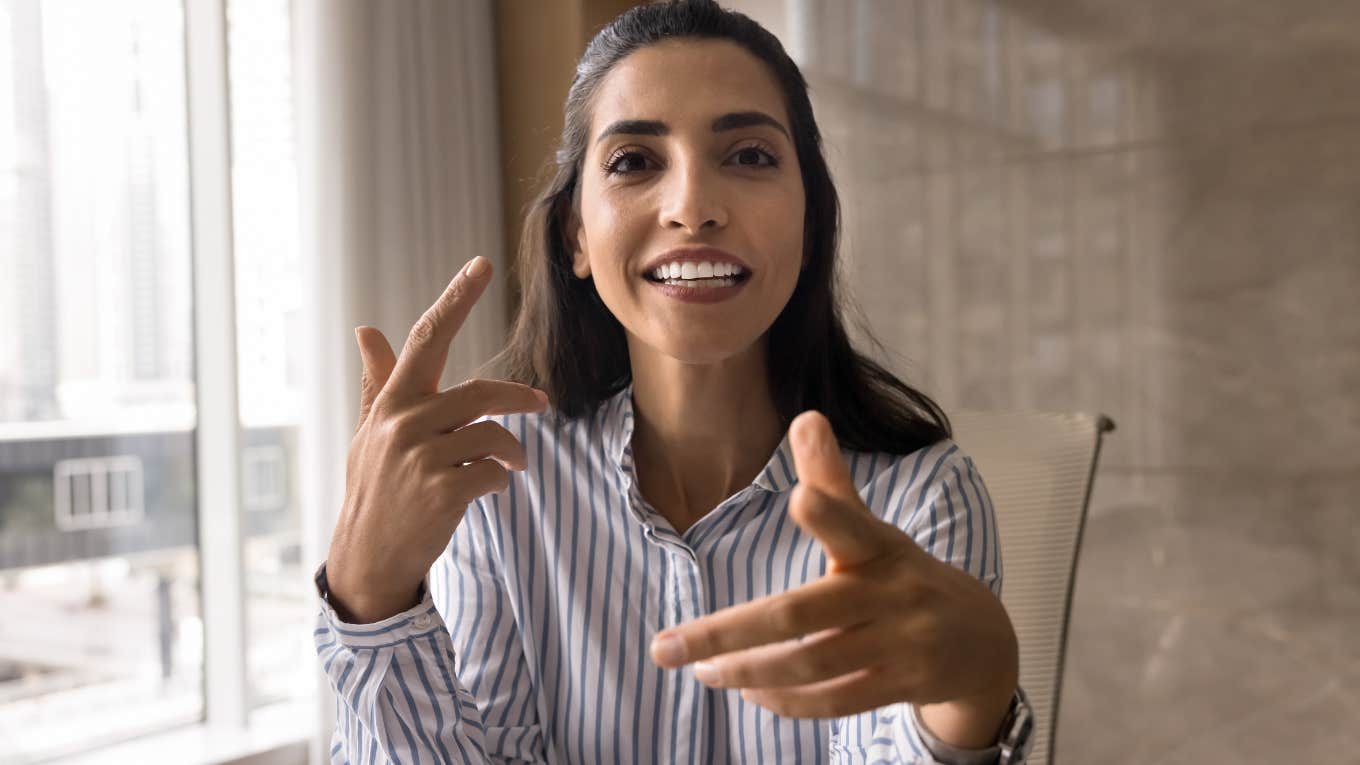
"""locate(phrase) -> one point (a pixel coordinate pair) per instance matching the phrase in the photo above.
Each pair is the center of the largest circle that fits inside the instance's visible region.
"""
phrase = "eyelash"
(611, 165)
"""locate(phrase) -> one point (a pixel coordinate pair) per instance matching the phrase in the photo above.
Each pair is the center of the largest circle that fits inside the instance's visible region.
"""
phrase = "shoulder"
(898, 486)
(554, 446)
(936, 496)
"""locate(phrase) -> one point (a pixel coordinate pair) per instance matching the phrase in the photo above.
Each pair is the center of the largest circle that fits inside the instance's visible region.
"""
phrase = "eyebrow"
(730, 121)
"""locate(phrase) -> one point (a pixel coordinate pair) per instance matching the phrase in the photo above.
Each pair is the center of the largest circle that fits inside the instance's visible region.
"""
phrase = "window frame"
(217, 433)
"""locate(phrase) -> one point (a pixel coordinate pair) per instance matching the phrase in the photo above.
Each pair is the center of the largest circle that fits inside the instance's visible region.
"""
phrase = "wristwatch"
(1017, 730)
(1013, 744)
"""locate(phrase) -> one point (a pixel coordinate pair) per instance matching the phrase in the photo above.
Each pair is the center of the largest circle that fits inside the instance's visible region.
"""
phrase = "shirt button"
(421, 621)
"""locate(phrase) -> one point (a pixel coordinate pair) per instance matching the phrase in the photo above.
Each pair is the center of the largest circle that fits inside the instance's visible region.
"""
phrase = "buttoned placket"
(687, 593)
(686, 599)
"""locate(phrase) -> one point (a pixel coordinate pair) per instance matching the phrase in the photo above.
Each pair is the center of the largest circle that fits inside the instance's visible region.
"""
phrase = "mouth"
(698, 276)
(689, 287)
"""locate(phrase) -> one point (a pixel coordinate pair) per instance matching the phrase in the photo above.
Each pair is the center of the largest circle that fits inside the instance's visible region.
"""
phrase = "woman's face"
(708, 160)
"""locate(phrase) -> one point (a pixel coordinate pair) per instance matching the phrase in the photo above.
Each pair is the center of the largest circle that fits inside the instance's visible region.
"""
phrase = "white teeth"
(691, 270)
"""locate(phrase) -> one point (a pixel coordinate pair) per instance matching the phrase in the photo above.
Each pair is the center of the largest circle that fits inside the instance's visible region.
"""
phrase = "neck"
(701, 432)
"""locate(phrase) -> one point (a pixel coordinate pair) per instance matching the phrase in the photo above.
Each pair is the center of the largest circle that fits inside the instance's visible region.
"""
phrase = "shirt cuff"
(948, 754)
(417, 621)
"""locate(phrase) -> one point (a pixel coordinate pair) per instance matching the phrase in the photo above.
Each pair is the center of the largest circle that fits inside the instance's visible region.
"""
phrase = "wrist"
(972, 722)
(360, 606)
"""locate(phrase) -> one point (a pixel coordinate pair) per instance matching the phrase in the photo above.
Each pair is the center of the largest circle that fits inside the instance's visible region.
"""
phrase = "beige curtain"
(399, 186)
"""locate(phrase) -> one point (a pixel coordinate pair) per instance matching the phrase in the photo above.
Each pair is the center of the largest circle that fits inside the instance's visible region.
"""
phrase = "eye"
(623, 162)
(751, 156)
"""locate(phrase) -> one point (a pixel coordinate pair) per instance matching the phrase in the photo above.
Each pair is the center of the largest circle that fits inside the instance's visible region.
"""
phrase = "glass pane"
(102, 635)
(281, 661)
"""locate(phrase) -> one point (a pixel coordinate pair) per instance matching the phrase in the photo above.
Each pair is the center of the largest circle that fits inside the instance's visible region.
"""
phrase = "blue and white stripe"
(531, 642)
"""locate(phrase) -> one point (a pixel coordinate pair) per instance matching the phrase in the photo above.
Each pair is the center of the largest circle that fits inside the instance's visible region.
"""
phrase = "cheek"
(615, 232)
(782, 223)
(612, 224)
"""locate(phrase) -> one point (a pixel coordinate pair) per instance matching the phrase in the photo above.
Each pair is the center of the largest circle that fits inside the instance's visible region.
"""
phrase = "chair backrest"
(1038, 468)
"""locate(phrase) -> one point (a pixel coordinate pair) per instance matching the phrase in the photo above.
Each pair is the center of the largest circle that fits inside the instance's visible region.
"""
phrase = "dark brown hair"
(566, 342)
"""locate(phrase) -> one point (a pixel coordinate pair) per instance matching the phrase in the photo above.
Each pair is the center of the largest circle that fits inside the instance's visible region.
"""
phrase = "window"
(264, 472)
(99, 512)
(98, 549)
(98, 492)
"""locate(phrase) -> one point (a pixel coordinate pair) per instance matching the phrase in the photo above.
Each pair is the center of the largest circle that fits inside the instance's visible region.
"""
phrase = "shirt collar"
(777, 476)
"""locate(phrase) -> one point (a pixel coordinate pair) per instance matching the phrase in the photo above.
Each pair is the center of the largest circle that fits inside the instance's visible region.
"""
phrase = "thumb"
(817, 457)
(378, 363)
(825, 503)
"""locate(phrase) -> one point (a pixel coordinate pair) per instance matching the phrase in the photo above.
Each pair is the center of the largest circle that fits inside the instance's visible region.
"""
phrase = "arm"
(411, 688)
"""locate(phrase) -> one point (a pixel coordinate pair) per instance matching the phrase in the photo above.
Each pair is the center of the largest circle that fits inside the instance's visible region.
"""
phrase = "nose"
(691, 200)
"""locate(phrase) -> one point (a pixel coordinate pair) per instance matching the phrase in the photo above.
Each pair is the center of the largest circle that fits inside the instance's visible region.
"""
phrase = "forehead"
(685, 83)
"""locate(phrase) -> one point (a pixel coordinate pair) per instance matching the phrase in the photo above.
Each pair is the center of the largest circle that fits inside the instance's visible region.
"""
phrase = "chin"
(692, 351)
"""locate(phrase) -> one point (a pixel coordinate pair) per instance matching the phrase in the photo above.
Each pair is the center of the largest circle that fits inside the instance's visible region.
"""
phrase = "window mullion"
(218, 426)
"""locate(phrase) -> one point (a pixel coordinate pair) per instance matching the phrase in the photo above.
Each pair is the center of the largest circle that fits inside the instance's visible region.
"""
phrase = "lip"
(699, 294)
(695, 255)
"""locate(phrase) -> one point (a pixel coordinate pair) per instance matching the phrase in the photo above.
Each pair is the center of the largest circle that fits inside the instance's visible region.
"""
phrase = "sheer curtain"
(399, 186)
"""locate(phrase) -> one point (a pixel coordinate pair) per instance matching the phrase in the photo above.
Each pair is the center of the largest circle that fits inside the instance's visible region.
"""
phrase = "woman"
(809, 562)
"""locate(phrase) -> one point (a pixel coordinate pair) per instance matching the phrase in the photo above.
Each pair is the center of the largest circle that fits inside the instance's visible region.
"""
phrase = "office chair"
(1038, 469)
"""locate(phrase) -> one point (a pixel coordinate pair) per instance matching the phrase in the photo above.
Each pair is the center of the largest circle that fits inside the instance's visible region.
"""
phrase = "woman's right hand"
(415, 462)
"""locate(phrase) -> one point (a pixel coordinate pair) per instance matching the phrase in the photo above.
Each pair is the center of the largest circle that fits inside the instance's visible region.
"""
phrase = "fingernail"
(542, 397)
(476, 266)
(706, 673)
(668, 650)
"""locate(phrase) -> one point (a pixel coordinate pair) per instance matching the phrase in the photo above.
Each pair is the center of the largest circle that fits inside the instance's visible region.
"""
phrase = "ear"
(580, 256)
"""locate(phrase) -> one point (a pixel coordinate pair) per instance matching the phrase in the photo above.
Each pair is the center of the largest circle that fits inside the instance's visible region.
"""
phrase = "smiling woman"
(713, 473)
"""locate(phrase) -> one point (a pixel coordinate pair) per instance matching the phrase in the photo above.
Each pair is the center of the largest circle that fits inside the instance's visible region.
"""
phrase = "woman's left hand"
(888, 622)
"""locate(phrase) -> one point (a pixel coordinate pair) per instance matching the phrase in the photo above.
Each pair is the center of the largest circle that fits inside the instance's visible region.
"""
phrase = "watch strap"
(1017, 730)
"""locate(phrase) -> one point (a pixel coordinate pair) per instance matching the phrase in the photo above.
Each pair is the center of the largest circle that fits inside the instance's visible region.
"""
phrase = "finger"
(850, 694)
(368, 391)
(817, 458)
(465, 483)
(378, 361)
(478, 441)
(846, 529)
(828, 654)
(457, 406)
(427, 346)
(820, 605)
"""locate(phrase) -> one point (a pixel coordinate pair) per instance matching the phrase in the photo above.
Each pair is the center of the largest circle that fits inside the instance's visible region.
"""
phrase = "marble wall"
(1151, 210)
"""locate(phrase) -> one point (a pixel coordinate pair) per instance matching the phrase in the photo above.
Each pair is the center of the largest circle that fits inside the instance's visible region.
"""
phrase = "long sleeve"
(941, 501)
(410, 689)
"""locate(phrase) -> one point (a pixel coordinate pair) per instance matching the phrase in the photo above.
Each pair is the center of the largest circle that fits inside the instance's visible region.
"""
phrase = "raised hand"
(887, 623)
(417, 458)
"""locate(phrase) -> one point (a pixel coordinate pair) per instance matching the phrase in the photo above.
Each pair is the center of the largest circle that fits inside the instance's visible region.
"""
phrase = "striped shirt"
(531, 641)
